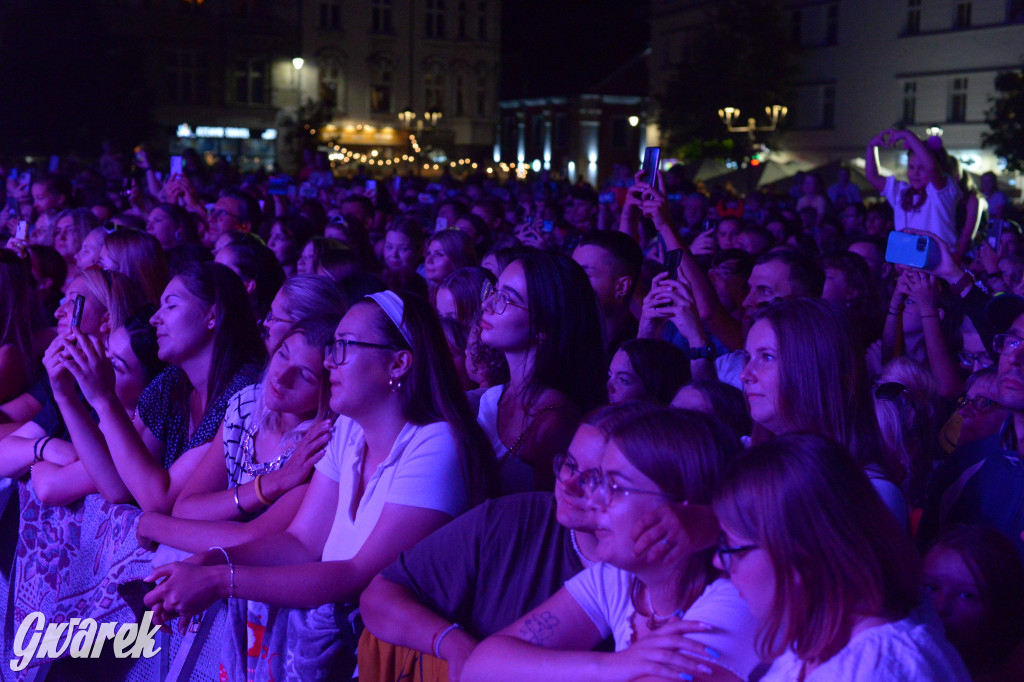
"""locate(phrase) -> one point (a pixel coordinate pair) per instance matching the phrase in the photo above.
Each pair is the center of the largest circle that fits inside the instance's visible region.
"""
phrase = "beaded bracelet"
(439, 637)
(231, 568)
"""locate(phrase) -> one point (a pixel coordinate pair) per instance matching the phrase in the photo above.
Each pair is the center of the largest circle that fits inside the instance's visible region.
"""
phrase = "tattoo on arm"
(539, 627)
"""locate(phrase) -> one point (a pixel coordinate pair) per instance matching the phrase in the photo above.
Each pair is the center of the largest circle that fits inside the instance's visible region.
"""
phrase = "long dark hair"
(19, 305)
(565, 320)
(430, 391)
(663, 367)
(824, 385)
(237, 338)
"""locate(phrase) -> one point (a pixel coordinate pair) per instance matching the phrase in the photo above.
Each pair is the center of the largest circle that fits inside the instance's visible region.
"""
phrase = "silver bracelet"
(231, 568)
(241, 510)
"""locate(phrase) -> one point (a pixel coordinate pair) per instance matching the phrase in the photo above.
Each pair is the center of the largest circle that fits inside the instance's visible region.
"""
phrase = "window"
(962, 19)
(910, 102)
(828, 106)
(433, 88)
(460, 95)
(250, 81)
(187, 79)
(561, 131)
(618, 132)
(381, 16)
(331, 84)
(795, 19)
(330, 15)
(481, 21)
(481, 95)
(463, 19)
(537, 137)
(958, 101)
(435, 19)
(832, 25)
(380, 87)
(913, 17)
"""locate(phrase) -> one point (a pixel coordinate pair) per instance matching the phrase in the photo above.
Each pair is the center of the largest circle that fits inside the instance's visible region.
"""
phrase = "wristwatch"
(705, 352)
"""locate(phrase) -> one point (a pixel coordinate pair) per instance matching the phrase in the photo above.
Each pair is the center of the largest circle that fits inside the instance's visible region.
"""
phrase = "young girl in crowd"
(207, 334)
(458, 296)
(647, 369)
(927, 201)
(261, 459)
(804, 374)
(975, 581)
(312, 253)
(172, 226)
(406, 430)
(72, 227)
(720, 400)
(652, 457)
(446, 252)
(819, 559)
(137, 255)
(133, 363)
(543, 316)
(300, 297)
(288, 234)
(108, 300)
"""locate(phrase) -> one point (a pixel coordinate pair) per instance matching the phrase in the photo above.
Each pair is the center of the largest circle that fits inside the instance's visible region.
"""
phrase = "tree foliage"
(744, 59)
(1006, 120)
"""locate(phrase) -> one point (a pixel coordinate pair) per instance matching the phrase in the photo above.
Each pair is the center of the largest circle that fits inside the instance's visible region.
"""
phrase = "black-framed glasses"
(502, 299)
(967, 359)
(341, 357)
(978, 402)
(604, 490)
(726, 553)
(890, 390)
(1005, 343)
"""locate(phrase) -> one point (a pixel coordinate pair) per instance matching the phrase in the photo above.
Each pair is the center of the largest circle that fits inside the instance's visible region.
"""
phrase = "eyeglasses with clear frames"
(502, 299)
(967, 359)
(604, 490)
(271, 319)
(341, 357)
(978, 402)
(1005, 343)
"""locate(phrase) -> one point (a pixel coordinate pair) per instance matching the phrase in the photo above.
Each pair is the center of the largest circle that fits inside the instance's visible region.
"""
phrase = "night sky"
(562, 47)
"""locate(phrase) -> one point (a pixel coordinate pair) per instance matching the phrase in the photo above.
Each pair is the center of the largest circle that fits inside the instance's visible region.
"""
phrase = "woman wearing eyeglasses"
(675, 620)
(812, 550)
(403, 459)
(543, 316)
(803, 373)
(300, 297)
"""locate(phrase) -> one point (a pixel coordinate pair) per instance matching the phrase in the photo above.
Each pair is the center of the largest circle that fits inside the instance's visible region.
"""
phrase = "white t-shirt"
(605, 594)
(423, 469)
(937, 214)
(909, 649)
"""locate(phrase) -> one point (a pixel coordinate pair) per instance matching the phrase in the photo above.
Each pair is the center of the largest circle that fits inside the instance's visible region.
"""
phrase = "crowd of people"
(524, 429)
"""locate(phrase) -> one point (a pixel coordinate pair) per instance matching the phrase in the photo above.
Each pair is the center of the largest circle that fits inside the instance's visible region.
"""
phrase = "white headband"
(394, 308)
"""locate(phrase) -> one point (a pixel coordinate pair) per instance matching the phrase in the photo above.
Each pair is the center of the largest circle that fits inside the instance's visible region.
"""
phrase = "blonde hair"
(116, 294)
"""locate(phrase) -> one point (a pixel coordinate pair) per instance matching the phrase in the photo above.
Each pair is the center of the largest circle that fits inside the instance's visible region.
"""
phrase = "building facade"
(241, 78)
(867, 65)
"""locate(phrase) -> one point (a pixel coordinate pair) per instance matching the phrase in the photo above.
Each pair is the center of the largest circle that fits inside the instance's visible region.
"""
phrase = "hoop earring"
(394, 384)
